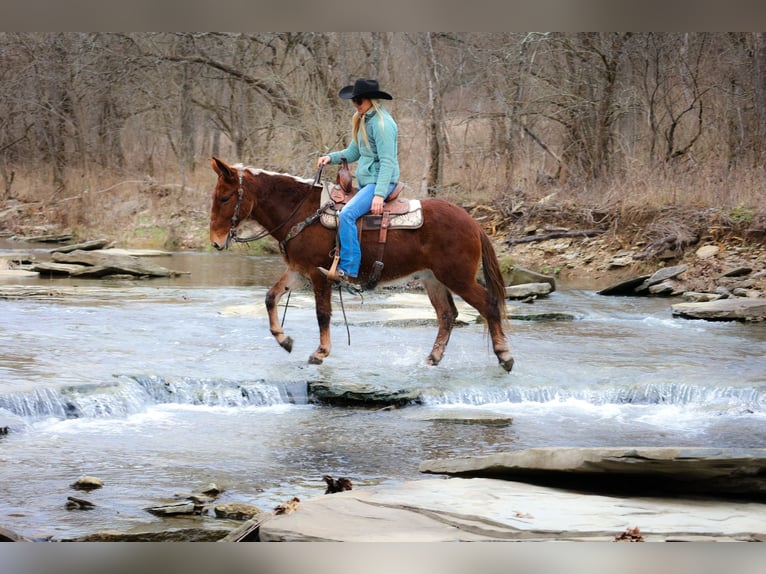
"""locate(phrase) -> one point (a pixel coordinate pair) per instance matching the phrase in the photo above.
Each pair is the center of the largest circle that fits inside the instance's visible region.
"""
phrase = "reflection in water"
(162, 386)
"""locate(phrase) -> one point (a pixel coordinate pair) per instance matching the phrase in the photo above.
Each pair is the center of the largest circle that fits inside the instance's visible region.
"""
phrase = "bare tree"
(434, 115)
(759, 87)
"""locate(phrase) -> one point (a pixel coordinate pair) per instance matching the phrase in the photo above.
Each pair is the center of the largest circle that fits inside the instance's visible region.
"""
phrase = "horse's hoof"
(287, 344)
(432, 361)
(507, 365)
(314, 360)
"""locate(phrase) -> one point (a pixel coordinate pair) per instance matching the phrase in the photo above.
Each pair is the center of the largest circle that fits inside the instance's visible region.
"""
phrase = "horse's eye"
(223, 200)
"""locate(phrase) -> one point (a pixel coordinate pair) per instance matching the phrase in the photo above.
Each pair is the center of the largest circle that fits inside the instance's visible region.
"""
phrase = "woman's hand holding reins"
(323, 160)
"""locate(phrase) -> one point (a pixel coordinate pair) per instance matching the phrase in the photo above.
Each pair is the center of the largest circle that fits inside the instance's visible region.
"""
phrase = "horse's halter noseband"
(237, 207)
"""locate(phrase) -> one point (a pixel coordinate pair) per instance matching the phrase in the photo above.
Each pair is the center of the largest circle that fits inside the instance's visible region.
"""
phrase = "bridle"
(294, 230)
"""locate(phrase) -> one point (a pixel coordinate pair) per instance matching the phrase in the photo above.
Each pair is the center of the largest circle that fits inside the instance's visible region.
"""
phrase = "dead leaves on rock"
(630, 535)
(288, 507)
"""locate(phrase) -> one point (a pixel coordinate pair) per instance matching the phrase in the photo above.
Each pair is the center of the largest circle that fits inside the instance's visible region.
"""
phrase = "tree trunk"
(759, 87)
(435, 117)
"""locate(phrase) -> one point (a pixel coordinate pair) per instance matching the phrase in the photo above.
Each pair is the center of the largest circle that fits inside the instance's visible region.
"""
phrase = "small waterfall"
(649, 394)
(132, 394)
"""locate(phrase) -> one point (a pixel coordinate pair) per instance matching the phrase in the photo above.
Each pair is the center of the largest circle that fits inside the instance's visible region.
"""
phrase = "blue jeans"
(350, 251)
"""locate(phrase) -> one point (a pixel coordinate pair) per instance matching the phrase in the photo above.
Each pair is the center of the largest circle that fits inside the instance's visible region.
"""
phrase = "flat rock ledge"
(486, 509)
(734, 309)
(709, 472)
(484, 502)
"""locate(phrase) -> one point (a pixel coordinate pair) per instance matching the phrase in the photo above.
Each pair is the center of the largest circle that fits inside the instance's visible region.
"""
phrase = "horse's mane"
(257, 171)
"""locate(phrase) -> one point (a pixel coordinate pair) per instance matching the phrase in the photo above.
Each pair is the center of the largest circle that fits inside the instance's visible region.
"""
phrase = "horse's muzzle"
(220, 246)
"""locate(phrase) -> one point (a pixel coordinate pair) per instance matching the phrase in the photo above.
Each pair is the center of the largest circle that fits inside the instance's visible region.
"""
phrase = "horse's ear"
(221, 168)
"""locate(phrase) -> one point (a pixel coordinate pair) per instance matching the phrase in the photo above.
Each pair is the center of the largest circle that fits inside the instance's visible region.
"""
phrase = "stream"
(160, 387)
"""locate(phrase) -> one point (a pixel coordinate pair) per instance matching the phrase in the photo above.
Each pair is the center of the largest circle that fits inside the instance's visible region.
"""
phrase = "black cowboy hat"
(364, 88)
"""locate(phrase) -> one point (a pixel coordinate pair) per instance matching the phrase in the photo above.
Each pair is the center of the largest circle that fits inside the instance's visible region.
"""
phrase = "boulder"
(627, 287)
(87, 483)
(661, 276)
(707, 251)
(520, 276)
(527, 290)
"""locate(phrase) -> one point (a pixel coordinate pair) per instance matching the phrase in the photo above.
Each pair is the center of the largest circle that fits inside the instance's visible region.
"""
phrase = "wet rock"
(360, 395)
(8, 535)
(101, 263)
(169, 535)
(211, 490)
(463, 416)
(730, 309)
(527, 290)
(87, 483)
(174, 509)
(236, 511)
(552, 316)
(73, 503)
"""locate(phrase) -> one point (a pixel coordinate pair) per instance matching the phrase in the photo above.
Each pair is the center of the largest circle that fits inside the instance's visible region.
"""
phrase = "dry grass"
(640, 204)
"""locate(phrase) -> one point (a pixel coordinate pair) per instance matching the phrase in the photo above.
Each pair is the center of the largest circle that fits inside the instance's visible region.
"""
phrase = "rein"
(295, 230)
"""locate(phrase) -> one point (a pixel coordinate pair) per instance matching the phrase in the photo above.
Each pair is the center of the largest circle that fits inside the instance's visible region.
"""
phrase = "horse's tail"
(493, 276)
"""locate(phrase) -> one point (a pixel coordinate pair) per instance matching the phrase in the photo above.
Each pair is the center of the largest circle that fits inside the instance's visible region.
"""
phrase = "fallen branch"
(666, 243)
(555, 235)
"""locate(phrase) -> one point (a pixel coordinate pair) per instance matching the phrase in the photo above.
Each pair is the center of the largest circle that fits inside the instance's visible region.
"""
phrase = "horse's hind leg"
(480, 299)
(273, 295)
(446, 314)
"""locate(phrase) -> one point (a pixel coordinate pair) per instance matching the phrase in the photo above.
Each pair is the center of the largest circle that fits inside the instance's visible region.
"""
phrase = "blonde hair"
(357, 125)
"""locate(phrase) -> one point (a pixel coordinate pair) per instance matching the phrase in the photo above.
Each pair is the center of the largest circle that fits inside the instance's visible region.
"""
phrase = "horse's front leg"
(273, 295)
(323, 304)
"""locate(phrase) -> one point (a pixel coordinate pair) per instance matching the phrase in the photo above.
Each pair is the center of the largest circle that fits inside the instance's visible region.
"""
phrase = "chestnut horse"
(444, 253)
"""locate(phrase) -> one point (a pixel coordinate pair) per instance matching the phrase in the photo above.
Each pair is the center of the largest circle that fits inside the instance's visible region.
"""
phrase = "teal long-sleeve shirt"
(378, 162)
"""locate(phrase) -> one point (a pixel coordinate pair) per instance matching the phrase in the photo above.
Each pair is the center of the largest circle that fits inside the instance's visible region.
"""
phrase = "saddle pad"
(410, 220)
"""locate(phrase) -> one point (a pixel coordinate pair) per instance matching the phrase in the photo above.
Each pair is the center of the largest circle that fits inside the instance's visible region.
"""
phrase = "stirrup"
(332, 273)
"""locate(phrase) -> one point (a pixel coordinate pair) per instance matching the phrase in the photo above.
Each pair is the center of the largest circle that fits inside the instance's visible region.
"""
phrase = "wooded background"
(611, 117)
